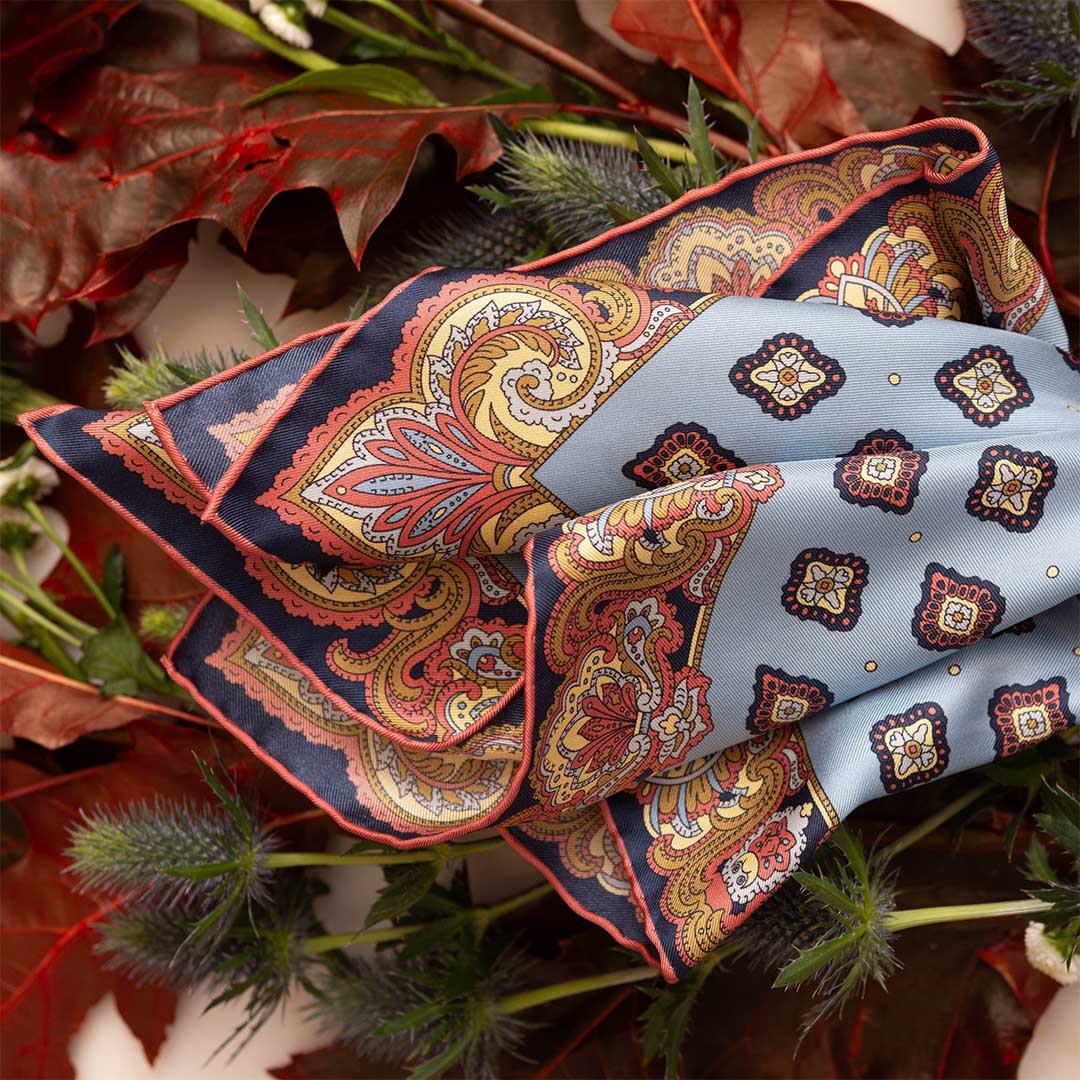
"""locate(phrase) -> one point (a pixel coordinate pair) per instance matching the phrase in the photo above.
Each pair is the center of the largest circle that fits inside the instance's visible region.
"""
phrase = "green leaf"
(21, 456)
(112, 577)
(1074, 18)
(114, 658)
(826, 892)
(405, 885)
(411, 1020)
(260, 328)
(1056, 72)
(810, 960)
(698, 140)
(235, 810)
(377, 81)
(513, 95)
(850, 845)
(498, 200)
(1062, 819)
(658, 169)
(1039, 867)
(666, 1022)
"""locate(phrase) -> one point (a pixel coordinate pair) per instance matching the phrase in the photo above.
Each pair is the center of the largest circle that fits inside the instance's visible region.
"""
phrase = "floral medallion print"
(787, 376)
(1011, 487)
(1021, 716)
(1071, 358)
(882, 470)
(985, 385)
(780, 698)
(680, 452)
(911, 747)
(769, 856)
(827, 588)
(955, 610)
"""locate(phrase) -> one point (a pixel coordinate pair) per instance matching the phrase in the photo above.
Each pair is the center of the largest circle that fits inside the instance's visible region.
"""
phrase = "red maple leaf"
(768, 57)
(91, 212)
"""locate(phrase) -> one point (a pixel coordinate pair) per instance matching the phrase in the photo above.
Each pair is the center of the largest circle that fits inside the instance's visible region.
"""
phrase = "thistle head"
(161, 623)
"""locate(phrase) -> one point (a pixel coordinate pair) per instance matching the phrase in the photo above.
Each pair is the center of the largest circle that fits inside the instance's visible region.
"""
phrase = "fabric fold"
(664, 554)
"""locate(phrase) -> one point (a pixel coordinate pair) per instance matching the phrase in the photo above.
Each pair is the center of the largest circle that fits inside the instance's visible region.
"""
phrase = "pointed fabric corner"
(661, 555)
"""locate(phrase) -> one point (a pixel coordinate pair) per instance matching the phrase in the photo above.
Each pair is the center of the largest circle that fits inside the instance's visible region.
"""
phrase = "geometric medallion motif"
(911, 747)
(787, 376)
(985, 384)
(680, 452)
(1021, 716)
(883, 470)
(780, 698)
(1011, 487)
(827, 588)
(955, 610)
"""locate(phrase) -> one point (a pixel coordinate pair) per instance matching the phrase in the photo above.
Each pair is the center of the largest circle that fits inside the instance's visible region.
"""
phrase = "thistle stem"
(541, 995)
(999, 909)
(566, 129)
(76, 563)
(321, 943)
(436, 853)
(11, 606)
(33, 591)
(927, 826)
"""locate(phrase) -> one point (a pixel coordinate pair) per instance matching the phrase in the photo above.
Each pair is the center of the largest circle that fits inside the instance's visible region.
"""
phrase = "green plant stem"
(924, 828)
(322, 943)
(905, 920)
(541, 995)
(567, 129)
(459, 56)
(49, 647)
(33, 591)
(11, 606)
(437, 853)
(254, 30)
(485, 915)
(76, 564)
(401, 15)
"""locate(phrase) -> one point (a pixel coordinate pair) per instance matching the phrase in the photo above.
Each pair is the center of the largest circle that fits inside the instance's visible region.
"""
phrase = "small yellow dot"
(954, 669)
(1076, 651)
(1052, 571)
(915, 537)
(894, 378)
(870, 665)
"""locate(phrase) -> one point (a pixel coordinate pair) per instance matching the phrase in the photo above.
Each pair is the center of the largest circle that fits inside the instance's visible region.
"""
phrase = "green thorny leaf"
(177, 856)
(435, 1011)
(1060, 821)
(114, 659)
(835, 934)
(253, 316)
(666, 1021)
(378, 81)
(260, 958)
(405, 887)
(1037, 44)
(138, 379)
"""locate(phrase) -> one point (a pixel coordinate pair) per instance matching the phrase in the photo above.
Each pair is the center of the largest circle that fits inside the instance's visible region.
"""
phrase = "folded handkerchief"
(662, 554)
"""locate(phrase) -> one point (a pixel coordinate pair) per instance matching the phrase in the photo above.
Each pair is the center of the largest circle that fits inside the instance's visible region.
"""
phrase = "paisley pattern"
(882, 470)
(787, 376)
(433, 608)
(911, 747)
(1012, 487)
(985, 385)
(1021, 716)
(955, 610)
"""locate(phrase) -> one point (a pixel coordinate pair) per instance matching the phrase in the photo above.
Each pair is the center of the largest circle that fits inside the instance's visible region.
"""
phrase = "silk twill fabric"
(662, 554)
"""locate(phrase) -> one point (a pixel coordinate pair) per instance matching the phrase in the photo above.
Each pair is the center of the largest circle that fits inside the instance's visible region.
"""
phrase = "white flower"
(18, 530)
(282, 22)
(32, 478)
(1043, 955)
